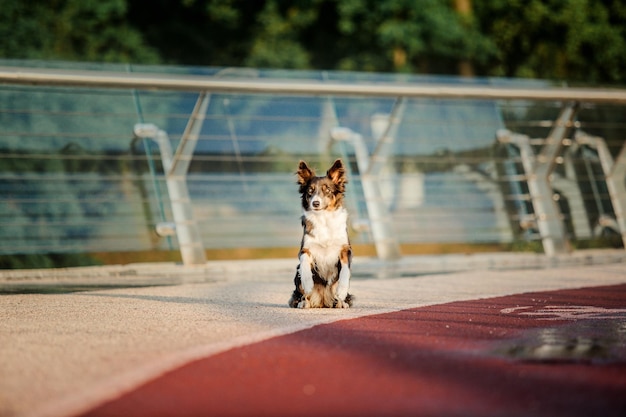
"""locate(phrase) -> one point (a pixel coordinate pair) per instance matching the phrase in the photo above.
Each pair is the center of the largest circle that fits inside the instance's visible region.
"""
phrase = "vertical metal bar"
(387, 247)
(384, 143)
(568, 186)
(617, 189)
(522, 142)
(189, 239)
(614, 172)
(150, 159)
(235, 142)
(182, 158)
(538, 169)
(549, 221)
(187, 232)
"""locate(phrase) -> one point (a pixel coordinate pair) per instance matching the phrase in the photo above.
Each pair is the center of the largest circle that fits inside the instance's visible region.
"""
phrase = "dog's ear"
(337, 175)
(304, 174)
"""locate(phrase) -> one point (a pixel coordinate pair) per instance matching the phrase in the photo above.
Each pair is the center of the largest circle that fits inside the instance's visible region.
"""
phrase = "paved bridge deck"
(103, 341)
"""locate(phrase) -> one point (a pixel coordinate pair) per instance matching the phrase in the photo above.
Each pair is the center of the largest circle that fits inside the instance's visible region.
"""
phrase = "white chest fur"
(327, 236)
(328, 228)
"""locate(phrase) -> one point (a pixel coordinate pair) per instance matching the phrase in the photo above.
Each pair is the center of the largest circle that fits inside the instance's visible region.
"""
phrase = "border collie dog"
(323, 275)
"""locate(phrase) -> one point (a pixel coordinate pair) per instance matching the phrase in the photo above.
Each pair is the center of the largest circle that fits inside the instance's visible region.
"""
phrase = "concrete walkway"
(63, 352)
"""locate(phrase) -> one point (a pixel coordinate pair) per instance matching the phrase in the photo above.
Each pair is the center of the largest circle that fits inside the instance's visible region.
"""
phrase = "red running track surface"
(559, 353)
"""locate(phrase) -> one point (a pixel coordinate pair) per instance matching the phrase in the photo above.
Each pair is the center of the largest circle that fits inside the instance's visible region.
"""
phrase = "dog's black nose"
(315, 204)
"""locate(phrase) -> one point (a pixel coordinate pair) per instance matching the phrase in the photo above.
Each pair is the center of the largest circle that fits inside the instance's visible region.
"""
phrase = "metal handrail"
(149, 81)
(554, 238)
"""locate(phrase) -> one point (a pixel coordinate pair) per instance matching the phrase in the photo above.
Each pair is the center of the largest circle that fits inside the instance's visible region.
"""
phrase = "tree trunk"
(464, 8)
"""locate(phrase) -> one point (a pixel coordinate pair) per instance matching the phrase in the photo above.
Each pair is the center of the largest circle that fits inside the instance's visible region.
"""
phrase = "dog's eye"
(310, 191)
(326, 189)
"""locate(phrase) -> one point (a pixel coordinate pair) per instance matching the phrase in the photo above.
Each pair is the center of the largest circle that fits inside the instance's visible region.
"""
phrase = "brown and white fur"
(323, 275)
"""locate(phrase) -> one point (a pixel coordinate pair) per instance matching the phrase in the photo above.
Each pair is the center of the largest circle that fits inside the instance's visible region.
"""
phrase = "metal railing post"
(546, 212)
(387, 247)
(538, 169)
(189, 239)
(617, 189)
(549, 218)
(614, 173)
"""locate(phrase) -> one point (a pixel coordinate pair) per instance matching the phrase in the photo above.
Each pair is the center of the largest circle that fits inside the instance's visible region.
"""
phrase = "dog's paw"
(294, 301)
(341, 304)
(304, 303)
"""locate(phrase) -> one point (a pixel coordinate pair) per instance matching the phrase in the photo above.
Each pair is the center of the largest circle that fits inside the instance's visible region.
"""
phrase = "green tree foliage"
(276, 43)
(78, 30)
(410, 36)
(571, 40)
(197, 32)
(574, 40)
(392, 35)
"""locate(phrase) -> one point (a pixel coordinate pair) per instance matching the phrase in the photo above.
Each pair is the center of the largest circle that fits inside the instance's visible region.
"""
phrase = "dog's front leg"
(306, 277)
(343, 283)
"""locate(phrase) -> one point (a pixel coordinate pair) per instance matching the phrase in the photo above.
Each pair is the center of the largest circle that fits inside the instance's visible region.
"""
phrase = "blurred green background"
(578, 41)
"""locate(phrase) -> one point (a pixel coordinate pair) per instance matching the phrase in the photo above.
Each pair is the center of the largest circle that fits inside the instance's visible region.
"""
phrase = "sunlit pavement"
(546, 353)
(501, 338)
